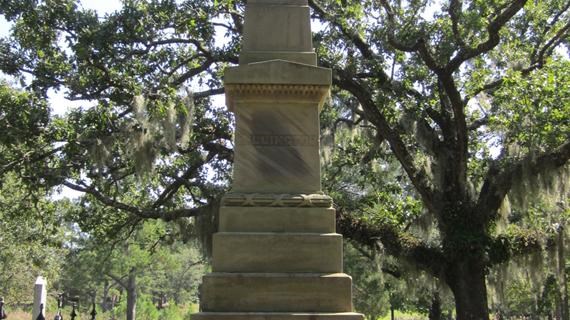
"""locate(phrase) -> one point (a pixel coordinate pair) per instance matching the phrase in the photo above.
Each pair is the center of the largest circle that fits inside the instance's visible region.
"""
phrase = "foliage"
(470, 98)
(459, 105)
(369, 295)
(129, 69)
(533, 284)
(31, 244)
(161, 267)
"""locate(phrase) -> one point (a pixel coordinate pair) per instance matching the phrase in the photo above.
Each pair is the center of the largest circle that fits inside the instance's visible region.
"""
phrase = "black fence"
(2, 312)
(58, 316)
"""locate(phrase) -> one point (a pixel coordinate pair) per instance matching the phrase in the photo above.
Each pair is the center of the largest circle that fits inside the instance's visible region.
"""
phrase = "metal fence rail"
(58, 316)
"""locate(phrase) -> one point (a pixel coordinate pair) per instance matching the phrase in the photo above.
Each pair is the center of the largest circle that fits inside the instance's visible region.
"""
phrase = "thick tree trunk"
(435, 307)
(563, 287)
(131, 295)
(105, 305)
(467, 281)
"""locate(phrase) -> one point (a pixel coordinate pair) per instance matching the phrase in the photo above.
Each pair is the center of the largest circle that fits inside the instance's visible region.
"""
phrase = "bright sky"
(102, 6)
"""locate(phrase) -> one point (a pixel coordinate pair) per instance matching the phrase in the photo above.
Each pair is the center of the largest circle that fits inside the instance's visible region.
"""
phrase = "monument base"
(274, 263)
(276, 292)
(276, 316)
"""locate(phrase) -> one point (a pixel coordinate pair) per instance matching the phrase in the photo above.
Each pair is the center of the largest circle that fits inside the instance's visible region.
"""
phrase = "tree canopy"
(441, 112)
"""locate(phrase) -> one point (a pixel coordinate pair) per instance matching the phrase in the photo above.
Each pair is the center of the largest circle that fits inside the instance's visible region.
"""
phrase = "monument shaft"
(276, 255)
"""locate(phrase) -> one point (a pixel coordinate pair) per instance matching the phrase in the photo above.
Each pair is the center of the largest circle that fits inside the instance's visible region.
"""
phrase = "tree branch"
(418, 178)
(208, 93)
(171, 189)
(396, 243)
(494, 85)
(354, 37)
(454, 10)
(478, 123)
(193, 72)
(115, 278)
(537, 62)
(26, 158)
(517, 243)
(493, 40)
(550, 25)
(141, 213)
(552, 43)
(420, 46)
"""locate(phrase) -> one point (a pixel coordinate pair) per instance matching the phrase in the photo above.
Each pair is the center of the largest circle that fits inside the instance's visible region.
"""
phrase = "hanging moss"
(502, 222)
(551, 186)
(207, 224)
(187, 119)
(149, 134)
(141, 146)
(169, 127)
(139, 108)
(100, 152)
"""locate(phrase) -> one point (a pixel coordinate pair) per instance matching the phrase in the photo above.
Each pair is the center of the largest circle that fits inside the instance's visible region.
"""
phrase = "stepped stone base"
(276, 316)
(277, 252)
(277, 292)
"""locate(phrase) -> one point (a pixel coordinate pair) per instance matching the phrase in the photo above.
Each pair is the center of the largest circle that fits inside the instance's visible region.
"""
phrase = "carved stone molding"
(276, 200)
(275, 92)
(288, 89)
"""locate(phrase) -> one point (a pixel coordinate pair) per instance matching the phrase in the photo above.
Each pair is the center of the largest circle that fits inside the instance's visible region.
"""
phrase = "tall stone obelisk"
(276, 255)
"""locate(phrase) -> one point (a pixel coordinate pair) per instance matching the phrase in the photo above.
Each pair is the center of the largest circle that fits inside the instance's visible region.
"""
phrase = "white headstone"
(40, 296)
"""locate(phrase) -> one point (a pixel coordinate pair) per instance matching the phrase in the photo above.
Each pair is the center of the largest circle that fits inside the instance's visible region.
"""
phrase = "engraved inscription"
(283, 140)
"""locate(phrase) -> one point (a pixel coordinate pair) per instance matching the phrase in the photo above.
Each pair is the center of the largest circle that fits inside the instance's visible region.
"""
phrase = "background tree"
(144, 263)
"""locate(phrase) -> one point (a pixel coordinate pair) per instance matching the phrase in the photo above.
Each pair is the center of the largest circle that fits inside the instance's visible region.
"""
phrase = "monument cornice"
(290, 93)
(278, 72)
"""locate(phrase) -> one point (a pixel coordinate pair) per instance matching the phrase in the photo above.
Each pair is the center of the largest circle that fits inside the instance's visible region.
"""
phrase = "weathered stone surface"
(309, 58)
(277, 148)
(277, 252)
(277, 219)
(276, 104)
(278, 29)
(276, 292)
(276, 316)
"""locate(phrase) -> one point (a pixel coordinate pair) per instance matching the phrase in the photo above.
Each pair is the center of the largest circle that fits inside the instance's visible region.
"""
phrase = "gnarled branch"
(396, 243)
(166, 215)
(493, 40)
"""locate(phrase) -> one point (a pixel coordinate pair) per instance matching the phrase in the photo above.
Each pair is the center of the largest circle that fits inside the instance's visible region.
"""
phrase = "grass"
(404, 316)
(23, 315)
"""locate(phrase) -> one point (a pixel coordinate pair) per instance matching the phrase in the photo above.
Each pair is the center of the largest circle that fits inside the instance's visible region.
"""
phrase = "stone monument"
(40, 296)
(276, 255)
